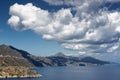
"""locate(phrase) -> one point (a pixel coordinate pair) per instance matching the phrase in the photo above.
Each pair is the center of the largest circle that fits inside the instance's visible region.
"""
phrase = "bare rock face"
(17, 72)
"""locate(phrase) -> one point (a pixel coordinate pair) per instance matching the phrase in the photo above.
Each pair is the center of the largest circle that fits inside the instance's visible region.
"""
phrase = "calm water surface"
(108, 72)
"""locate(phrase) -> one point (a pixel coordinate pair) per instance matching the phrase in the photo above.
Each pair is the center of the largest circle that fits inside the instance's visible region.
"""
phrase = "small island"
(17, 72)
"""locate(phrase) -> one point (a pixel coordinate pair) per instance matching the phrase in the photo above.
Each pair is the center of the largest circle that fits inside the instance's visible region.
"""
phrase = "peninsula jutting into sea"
(15, 63)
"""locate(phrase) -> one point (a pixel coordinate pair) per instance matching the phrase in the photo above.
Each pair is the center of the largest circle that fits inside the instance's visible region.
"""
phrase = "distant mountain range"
(10, 56)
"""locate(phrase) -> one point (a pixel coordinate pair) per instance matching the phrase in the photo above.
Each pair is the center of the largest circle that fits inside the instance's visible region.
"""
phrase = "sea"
(105, 72)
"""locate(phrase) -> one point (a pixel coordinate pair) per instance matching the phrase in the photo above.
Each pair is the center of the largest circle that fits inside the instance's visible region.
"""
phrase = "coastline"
(17, 72)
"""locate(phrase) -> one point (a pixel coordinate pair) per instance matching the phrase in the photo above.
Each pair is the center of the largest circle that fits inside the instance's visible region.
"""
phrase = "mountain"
(27, 56)
(75, 61)
(59, 54)
(11, 56)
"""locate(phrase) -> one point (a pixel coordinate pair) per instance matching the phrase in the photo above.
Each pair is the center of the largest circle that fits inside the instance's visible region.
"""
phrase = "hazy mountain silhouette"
(11, 56)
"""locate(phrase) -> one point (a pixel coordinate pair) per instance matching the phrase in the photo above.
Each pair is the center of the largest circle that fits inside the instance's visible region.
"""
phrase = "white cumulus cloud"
(90, 30)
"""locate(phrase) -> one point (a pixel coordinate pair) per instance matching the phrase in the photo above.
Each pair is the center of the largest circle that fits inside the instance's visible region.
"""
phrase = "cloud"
(75, 2)
(90, 30)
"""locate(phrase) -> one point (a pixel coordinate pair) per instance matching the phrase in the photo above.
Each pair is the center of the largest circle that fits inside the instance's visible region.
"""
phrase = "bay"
(106, 72)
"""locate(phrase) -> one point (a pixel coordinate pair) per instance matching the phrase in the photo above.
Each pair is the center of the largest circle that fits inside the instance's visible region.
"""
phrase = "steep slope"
(7, 50)
(36, 61)
(11, 57)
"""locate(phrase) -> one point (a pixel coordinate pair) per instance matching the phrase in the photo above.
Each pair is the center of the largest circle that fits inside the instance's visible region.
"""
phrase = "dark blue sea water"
(108, 72)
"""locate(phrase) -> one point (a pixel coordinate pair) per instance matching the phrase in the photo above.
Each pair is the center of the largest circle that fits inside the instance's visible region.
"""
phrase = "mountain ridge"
(10, 55)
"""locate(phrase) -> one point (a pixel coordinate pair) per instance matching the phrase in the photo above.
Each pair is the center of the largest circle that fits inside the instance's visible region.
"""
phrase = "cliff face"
(10, 56)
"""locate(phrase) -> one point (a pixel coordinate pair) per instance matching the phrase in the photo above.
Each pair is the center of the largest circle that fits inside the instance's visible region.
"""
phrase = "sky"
(77, 27)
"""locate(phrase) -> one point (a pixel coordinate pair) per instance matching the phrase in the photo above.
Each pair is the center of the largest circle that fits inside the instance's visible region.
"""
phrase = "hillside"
(63, 60)
(10, 56)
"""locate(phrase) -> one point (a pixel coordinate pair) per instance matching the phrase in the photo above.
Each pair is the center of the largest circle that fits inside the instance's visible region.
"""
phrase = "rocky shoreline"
(17, 72)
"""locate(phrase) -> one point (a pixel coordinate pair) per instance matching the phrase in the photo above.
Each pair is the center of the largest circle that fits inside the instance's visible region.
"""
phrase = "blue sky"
(45, 27)
(26, 40)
